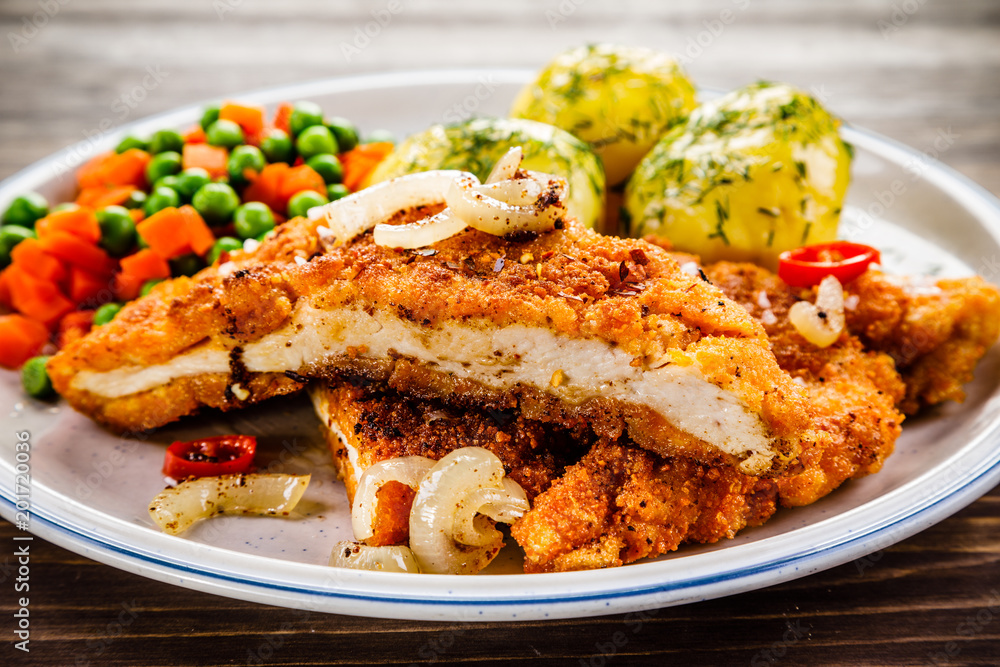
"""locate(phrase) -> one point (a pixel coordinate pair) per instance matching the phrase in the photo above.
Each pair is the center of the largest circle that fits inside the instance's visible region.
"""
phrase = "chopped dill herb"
(772, 212)
(801, 168)
(805, 232)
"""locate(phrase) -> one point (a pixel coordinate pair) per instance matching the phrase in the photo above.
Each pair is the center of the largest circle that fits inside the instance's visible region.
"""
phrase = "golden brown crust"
(572, 282)
(936, 334)
(382, 424)
(620, 503)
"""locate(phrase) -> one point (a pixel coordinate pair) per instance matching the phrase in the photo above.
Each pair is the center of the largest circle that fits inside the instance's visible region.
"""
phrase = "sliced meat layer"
(570, 327)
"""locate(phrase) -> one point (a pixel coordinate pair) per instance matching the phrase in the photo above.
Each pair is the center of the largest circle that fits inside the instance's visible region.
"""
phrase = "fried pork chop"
(621, 502)
(568, 327)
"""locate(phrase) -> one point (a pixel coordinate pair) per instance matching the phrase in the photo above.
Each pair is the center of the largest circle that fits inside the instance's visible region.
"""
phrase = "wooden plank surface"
(909, 69)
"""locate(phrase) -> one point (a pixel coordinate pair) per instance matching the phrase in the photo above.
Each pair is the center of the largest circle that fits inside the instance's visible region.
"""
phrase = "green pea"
(10, 236)
(277, 147)
(216, 203)
(209, 116)
(241, 159)
(35, 379)
(148, 286)
(117, 229)
(266, 235)
(190, 181)
(314, 141)
(305, 114)
(336, 191)
(161, 198)
(131, 142)
(224, 133)
(26, 209)
(301, 202)
(165, 140)
(106, 313)
(344, 131)
(253, 219)
(163, 164)
(327, 166)
(136, 199)
(380, 135)
(169, 181)
(223, 244)
(186, 265)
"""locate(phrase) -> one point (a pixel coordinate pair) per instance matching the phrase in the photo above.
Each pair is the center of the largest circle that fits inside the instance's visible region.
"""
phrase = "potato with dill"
(618, 99)
(476, 145)
(749, 175)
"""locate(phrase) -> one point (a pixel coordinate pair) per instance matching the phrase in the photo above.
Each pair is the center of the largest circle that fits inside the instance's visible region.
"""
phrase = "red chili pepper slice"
(210, 457)
(808, 265)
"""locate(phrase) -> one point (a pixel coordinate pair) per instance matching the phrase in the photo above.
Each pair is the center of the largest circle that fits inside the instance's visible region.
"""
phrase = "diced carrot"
(109, 169)
(200, 238)
(298, 179)
(195, 135)
(138, 215)
(85, 287)
(146, 264)
(210, 158)
(166, 233)
(36, 298)
(137, 269)
(96, 198)
(253, 139)
(267, 186)
(89, 174)
(30, 255)
(5, 289)
(21, 338)
(283, 118)
(127, 286)
(360, 161)
(80, 222)
(74, 250)
(74, 326)
(248, 117)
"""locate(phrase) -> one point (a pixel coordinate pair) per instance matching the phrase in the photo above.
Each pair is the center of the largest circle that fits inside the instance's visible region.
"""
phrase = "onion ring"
(407, 470)
(357, 556)
(506, 166)
(497, 217)
(357, 213)
(420, 233)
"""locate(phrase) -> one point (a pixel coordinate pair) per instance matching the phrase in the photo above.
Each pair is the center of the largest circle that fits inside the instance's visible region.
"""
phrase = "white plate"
(89, 489)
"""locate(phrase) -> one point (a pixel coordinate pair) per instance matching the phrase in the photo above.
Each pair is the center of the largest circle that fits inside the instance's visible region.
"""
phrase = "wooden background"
(910, 69)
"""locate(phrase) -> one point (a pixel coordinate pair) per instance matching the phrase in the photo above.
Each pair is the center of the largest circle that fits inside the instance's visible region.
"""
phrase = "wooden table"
(910, 69)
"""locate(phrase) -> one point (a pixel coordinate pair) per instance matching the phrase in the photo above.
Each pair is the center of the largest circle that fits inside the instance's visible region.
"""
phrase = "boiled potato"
(618, 99)
(749, 175)
(477, 144)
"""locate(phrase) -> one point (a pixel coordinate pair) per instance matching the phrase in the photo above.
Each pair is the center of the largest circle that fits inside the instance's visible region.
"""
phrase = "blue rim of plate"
(641, 588)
